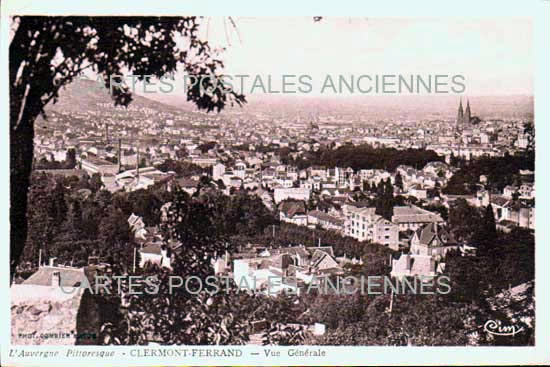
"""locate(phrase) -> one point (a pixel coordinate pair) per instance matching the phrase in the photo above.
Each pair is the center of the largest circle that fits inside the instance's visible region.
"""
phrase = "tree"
(203, 226)
(464, 219)
(47, 53)
(70, 161)
(385, 199)
(95, 182)
(366, 186)
(114, 228)
(416, 320)
(485, 237)
(399, 181)
(174, 317)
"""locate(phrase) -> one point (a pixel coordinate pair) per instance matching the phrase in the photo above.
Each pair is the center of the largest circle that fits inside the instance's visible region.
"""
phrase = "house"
(155, 253)
(293, 212)
(522, 215)
(527, 191)
(509, 191)
(137, 226)
(433, 240)
(500, 206)
(135, 222)
(188, 185)
(409, 265)
(267, 274)
(285, 268)
(418, 192)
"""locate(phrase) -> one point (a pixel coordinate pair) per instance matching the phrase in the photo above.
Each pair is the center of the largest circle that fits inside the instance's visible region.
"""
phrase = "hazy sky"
(494, 54)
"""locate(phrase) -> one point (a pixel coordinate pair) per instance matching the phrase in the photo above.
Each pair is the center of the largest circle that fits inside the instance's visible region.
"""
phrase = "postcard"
(227, 184)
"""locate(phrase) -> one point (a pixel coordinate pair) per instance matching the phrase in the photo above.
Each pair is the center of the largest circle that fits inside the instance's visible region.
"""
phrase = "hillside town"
(337, 198)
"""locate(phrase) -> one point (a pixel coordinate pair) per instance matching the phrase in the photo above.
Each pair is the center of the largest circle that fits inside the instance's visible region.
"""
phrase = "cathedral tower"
(467, 113)
(460, 116)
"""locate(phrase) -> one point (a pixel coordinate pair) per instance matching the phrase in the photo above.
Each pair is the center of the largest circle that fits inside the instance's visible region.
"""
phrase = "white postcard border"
(538, 9)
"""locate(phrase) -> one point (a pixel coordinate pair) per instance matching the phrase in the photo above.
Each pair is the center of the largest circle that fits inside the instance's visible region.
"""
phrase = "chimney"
(53, 261)
(56, 278)
(119, 155)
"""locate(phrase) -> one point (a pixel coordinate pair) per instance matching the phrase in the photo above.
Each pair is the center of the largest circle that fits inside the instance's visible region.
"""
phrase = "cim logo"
(497, 328)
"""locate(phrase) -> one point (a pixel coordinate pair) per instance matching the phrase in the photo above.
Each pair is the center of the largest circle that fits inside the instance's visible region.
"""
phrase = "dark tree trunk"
(24, 108)
(21, 158)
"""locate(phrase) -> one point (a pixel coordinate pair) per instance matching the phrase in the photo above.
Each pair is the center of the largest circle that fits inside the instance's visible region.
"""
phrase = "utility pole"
(134, 267)
(39, 257)
(391, 301)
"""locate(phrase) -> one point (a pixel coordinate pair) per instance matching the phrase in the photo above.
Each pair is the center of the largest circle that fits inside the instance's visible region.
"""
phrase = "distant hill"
(376, 107)
(85, 95)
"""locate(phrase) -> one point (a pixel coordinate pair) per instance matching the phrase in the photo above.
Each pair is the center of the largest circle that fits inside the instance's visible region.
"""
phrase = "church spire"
(460, 116)
(467, 114)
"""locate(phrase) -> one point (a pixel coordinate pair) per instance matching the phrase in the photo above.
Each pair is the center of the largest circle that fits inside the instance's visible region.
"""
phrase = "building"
(296, 193)
(141, 178)
(92, 164)
(325, 221)
(433, 240)
(364, 224)
(285, 268)
(204, 161)
(155, 253)
(460, 117)
(385, 233)
(463, 117)
(411, 217)
(217, 171)
(260, 273)
(410, 265)
(293, 212)
(358, 221)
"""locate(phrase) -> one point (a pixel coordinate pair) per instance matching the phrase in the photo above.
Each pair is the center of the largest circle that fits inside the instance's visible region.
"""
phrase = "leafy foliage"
(500, 171)
(47, 53)
(366, 157)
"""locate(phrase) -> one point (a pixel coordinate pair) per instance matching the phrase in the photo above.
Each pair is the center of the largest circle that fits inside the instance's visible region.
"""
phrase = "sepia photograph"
(187, 181)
